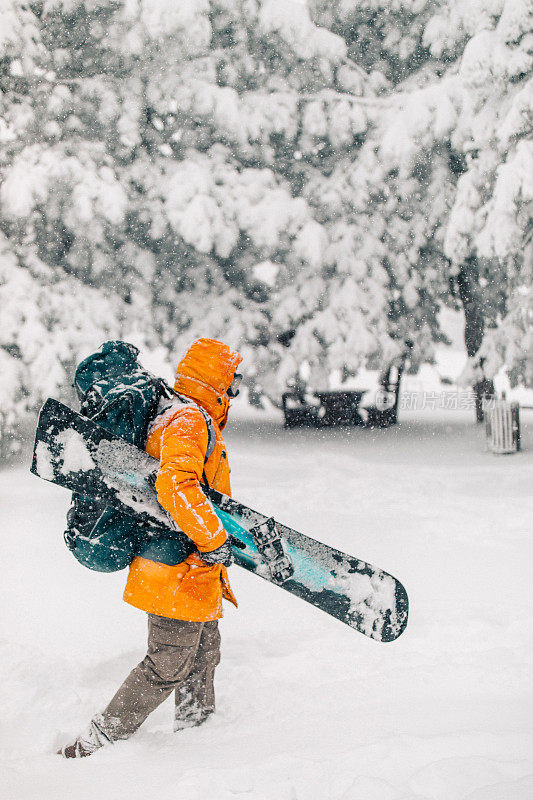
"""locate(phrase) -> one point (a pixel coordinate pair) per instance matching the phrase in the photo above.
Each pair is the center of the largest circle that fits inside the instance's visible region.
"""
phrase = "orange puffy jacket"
(179, 437)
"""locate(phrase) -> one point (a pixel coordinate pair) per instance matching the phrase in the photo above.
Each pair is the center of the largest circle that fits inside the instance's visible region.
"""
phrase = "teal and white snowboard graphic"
(74, 452)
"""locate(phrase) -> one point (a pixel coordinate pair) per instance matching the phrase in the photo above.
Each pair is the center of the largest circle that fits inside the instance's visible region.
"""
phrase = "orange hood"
(205, 374)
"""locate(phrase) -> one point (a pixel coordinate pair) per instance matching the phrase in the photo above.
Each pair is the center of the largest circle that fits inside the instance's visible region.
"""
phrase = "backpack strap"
(211, 441)
(211, 434)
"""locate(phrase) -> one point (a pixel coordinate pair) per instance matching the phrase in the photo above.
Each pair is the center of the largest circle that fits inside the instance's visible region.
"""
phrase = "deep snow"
(307, 708)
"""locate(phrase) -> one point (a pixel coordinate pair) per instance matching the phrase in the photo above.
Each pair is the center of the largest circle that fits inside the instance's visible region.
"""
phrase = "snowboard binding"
(269, 543)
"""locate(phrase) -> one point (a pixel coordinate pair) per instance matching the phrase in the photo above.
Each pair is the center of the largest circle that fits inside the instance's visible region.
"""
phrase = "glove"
(222, 555)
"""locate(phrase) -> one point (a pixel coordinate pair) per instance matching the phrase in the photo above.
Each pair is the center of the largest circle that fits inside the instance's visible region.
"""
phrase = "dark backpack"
(116, 392)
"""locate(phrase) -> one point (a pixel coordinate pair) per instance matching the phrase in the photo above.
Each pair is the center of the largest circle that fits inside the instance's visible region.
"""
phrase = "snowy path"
(307, 708)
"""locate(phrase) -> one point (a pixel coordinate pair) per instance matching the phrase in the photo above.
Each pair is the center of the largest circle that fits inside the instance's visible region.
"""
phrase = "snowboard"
(76, 453)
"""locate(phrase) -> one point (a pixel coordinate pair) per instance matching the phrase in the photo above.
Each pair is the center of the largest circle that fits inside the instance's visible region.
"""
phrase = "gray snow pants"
(181, 658)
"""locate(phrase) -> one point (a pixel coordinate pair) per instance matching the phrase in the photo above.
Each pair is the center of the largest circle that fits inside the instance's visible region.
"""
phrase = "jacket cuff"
(215, 543)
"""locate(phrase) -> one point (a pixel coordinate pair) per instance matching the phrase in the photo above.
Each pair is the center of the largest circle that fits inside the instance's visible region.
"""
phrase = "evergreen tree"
(309, 183)
(444, 169)
(164, 159)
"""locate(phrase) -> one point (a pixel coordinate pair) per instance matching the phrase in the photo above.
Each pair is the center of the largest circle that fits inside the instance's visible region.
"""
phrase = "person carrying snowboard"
(184, 600)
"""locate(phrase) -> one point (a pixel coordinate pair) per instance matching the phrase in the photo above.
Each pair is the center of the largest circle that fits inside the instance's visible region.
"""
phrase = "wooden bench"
(385, 411)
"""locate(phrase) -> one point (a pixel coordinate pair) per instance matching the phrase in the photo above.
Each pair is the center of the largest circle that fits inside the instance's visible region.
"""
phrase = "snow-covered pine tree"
(303, 182)
(163, 164)
(445, 207)
(472, 105)
(385, 278)
(59, 202)
(490, 225)
(258, 106)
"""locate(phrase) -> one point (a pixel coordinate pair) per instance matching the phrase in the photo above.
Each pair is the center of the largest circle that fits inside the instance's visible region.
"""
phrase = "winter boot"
(86, 744)
(193, 717)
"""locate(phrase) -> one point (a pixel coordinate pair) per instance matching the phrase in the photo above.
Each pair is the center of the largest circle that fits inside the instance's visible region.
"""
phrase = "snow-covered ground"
(308, 709)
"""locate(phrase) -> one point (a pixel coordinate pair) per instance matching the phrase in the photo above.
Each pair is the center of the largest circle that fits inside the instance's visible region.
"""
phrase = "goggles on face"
(233, 390)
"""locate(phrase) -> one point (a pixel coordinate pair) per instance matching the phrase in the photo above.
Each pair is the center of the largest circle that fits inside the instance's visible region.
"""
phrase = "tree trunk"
(470, 295)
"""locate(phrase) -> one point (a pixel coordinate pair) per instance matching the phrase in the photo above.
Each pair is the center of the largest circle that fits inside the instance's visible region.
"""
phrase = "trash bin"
(502, 425)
